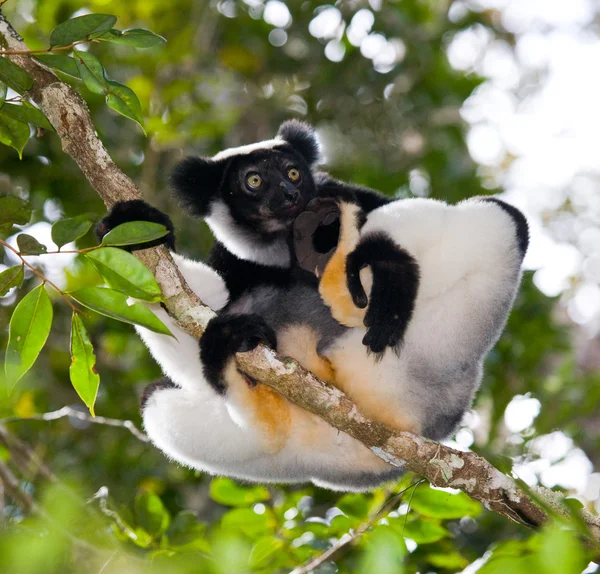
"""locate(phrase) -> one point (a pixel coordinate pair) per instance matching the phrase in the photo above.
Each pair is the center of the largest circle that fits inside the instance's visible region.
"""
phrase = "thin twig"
(40, 275)
(13, 488)
(20, 449)
(345, 540)
(45, 50)
(102, 497)
(71, 412)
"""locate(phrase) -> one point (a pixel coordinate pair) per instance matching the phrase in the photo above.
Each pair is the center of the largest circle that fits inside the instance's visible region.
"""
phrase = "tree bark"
(441, 465)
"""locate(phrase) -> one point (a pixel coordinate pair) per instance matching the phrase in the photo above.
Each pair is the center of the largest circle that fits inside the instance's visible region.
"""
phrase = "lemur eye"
(293, 174)
(254, 181)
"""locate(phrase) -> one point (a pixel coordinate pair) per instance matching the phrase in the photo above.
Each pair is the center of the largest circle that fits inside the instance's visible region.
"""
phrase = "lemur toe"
(136, 210)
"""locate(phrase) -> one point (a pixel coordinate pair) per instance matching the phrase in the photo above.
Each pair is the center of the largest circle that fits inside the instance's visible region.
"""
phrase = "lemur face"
(267, 189)
(254, 189)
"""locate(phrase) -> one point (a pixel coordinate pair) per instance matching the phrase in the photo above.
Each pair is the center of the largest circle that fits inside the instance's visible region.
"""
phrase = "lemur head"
(252, 192)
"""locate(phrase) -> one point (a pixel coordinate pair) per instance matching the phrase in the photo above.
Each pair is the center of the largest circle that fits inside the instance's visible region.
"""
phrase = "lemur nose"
(289, 192)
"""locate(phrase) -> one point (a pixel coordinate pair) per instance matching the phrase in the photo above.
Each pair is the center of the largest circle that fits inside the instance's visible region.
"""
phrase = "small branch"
(27, 52)
(71, 412)
(40, 275)
(347, 539)
(13, 489)
(102, 497)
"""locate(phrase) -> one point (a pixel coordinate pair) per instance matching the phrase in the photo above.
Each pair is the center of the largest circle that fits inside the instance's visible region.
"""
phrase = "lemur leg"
(371, 264)
(249, 402)
(197, 430)
(333, 286)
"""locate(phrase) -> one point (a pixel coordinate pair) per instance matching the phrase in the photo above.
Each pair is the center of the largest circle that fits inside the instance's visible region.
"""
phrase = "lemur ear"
(302, 138)
(196, 182)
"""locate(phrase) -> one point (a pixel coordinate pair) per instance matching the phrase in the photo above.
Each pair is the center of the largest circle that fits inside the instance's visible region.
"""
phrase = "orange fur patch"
(351, 378)
(262, 406)
(334, 286)
(300, 342)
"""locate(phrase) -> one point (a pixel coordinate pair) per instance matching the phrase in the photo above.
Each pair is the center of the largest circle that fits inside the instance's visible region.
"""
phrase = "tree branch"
(71, 412)
(441, 465)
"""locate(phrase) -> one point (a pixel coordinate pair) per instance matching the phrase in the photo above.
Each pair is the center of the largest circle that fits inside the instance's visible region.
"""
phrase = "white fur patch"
(246, 149)
(244, 244)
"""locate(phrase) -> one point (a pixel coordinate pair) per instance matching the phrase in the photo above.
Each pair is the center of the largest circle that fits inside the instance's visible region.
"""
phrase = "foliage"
(223, 78)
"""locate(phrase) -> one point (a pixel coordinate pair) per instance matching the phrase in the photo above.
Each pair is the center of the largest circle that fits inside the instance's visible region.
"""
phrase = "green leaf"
(29, 328)
(64, 64)
(123, 100)
(560, 551)
(114, 304)
(384, 551)
(28, 114)
(3, 90)
(263, 551)
(14, 210)
(250, 523)
(29, 245)
(136, 37)
(66, 230)
(13, 133)
(449, 560)
(355, 505)
(91, 72)
(186, 533)
(226, 491)
(422, 531)
(126, 273)
(9, 278)
(134, 232)
(84, 378)
(14, 76)
(81, 28)
(151, 514)
(442, 504)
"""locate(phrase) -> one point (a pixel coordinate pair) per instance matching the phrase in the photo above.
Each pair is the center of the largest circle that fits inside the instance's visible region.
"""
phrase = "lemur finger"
(136, 210)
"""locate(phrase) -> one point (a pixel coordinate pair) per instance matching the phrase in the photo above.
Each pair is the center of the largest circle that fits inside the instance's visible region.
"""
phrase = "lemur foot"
(316, 233)
(137, 210)
(393, 294)
(224, 336)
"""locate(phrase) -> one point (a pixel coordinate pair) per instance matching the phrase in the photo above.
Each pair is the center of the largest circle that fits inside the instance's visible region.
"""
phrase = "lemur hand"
(393, 294)
(316, 233)
(136, 210)
(227, 335)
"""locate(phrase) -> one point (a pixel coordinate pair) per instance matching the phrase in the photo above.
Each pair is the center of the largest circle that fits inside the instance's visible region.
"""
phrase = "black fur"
(225, 336)
(196, 182)
(521, 224)
(394, 291)
(302, 138)
(241, 276)
(136, 210)
(367, 199)
(264, 213)
(163, 383)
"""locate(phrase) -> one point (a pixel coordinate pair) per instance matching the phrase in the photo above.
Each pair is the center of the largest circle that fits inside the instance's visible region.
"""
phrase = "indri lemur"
(411, 298)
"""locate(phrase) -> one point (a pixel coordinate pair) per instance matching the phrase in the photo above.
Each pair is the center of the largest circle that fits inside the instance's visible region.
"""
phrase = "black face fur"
(286, 186)
(263, 190)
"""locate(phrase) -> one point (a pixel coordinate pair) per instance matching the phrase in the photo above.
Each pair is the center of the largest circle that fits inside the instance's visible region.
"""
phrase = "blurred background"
(429, 98)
